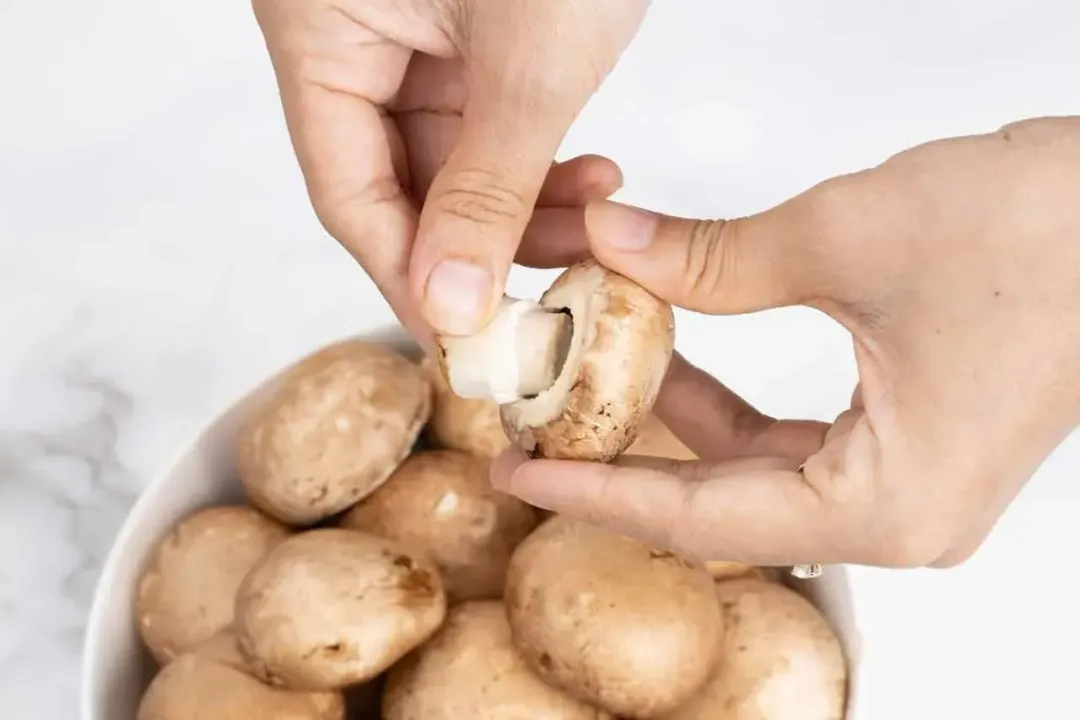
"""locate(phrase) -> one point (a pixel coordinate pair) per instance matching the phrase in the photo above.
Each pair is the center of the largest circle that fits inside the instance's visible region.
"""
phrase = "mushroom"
(338, 424)
(330, 608)
(780, 659)
(212, 682)
(577, 373)
(187, 591)
(457, 423)
(440, 504)
(610, 620)
(470, 669)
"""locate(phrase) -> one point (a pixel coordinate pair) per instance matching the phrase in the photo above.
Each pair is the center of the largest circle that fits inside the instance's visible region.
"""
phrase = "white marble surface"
(157, 255)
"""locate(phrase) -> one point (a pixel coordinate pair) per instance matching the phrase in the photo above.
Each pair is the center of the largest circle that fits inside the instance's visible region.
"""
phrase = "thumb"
(531, 68)
(772, 259)
(477, 210)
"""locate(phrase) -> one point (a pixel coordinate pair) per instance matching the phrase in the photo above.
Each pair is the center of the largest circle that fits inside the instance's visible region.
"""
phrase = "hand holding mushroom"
(956, 267)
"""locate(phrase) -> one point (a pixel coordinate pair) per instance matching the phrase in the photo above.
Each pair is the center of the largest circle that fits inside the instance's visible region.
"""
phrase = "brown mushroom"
(467, 424)
(187, 591)
(330, 608)
(577, 373)
(440, 504)
(333, 431)
(470, 669)
(780, 659)
(610, 620)
(211, 682)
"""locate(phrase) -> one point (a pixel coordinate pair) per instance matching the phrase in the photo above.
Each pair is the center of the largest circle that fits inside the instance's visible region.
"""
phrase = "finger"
(524, 91)
(717, 424)
(554, 238)
(754, 510)
(783, 256)
(351, 161)
(475, 214)
(580, 180)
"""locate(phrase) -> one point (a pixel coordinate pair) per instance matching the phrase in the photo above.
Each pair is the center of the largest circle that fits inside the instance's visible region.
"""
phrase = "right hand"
(455, 105)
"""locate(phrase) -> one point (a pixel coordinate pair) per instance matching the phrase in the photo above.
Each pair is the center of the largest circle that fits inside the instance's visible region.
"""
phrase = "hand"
(956, 268)
(460, 105)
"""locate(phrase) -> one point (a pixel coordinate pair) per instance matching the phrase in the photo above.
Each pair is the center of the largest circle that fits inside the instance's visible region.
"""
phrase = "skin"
(456, 105)
(331, 608)
(951, 264)
(212, 683)
(188, 590)
(470, 669)
(440, 504)
(780, 660)
(657, 440)
(610, 620)
(623, 340)
(337, 426)
(465, 424)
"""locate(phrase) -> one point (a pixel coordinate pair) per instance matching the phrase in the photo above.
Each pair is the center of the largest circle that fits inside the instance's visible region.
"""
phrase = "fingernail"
(457, 296)
(620, 227)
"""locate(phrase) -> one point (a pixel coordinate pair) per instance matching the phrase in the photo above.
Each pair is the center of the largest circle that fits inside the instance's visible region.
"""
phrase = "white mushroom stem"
(518, 355)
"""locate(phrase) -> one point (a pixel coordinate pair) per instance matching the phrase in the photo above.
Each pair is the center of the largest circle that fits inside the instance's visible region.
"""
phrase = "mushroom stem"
(518, 355)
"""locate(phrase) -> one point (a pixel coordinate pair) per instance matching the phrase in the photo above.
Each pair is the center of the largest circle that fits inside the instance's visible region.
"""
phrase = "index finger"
(758, 511)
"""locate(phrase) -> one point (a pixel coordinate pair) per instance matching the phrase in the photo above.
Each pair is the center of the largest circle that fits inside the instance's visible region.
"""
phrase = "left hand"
(956, 268)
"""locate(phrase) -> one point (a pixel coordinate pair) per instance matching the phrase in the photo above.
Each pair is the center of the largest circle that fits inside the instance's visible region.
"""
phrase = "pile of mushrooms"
(375, 572)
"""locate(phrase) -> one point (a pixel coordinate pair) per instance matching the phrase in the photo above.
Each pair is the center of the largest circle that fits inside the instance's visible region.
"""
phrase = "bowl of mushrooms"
(330, 548)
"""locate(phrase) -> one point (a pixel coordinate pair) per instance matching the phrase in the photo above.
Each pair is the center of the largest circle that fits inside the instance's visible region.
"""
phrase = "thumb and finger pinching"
(762, 510)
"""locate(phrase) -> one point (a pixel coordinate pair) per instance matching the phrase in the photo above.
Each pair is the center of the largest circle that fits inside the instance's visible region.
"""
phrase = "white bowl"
(116, 667)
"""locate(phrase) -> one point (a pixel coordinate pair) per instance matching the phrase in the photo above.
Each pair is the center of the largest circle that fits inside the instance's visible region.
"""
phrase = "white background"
(157, 255)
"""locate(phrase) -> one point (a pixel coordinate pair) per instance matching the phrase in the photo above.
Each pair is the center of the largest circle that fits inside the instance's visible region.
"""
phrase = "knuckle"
(709, 260)
(481, 196)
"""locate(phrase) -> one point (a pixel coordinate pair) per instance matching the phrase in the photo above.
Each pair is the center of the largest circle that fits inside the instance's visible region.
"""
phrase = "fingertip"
(612, 226)
(602, 177)
(458, 296)
(504, 468)
(574, 182)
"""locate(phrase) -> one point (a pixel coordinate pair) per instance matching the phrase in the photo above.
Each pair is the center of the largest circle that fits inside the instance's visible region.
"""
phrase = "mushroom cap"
(187, 592)
(440, 504)
(457, 423)
(334, 429)
(610, 620)
(780, 659)
(470, 669)
(210, 683)
(622, 341)
(330, 608)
